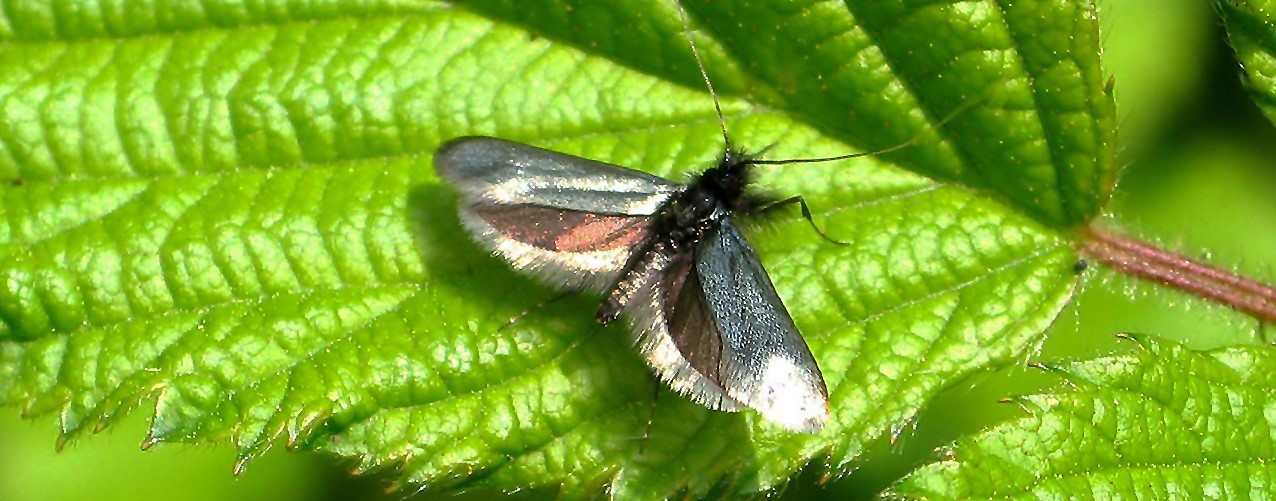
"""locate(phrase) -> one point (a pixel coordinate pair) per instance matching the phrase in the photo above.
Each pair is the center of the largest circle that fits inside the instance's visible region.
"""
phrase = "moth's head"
(728, 180)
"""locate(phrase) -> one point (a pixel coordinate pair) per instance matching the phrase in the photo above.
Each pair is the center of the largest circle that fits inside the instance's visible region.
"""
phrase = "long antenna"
(899, 146)
(686, 29)
(951, 115)
(722, 120)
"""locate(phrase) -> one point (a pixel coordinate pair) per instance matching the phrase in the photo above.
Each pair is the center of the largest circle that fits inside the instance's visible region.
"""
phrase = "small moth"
(669, 257)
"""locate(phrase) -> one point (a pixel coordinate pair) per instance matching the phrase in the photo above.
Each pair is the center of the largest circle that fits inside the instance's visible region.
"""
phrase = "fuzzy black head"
(727, 181)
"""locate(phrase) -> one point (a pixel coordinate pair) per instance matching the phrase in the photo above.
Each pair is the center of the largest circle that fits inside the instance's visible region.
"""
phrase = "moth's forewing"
(754, 350)
(657, 279)
(499, 172)
(568, 221)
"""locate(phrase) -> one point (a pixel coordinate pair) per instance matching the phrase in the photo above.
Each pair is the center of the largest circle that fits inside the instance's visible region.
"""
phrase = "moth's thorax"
(701, 205)
(688, 216)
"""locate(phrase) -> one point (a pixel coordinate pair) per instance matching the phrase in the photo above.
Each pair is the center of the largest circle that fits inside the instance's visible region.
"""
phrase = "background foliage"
(1192, 139)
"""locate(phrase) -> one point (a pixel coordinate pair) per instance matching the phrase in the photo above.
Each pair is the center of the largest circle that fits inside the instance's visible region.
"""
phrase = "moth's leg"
(611, 308)
(651, 418)
(629, 283)
(647, 260)
(806, 214)
(539, 306)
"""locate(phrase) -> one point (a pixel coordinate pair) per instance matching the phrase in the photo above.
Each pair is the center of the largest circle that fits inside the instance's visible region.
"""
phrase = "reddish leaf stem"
(1141, 259)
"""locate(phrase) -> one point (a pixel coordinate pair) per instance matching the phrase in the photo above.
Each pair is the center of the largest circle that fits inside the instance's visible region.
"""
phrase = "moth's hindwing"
(568, 221)
(659, 280)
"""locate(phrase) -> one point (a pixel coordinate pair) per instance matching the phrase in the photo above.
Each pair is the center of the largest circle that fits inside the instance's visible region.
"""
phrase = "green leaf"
(231, 210)
(1163, 422)
(1251, 26)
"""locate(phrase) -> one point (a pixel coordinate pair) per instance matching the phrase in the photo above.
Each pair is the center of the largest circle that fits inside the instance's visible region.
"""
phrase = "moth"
(668, 256)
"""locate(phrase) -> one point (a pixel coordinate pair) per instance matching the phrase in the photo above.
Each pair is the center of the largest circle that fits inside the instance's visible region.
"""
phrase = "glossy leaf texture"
(227, 208)
(1251, 28)
(1163, 422)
